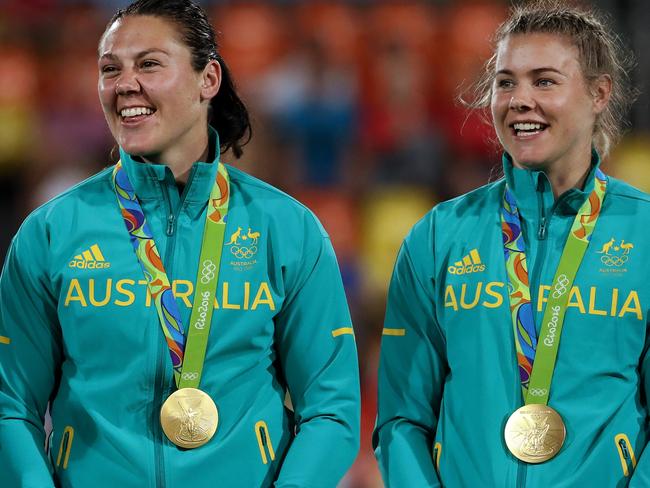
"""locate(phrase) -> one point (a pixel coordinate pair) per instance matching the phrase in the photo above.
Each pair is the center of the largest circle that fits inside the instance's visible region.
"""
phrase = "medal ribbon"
(187, 351)
(536, 381)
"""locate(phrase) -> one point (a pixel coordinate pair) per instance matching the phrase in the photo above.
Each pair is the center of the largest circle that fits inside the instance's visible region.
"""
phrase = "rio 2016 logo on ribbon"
(553, 324)
(207, 273)
(560, 287)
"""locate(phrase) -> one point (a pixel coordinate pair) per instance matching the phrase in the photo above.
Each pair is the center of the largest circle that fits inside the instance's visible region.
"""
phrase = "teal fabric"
(448, 384)
(87, 337)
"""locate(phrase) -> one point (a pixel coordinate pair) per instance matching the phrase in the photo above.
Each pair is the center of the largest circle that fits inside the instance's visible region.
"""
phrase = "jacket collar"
(532, 189)
(148, 179)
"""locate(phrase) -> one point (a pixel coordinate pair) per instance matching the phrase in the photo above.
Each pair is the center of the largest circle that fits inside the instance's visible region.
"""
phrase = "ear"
(210, 80)
(601, 92)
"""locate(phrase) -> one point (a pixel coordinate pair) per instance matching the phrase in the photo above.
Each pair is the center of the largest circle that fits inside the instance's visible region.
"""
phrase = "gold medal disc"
(534, 433)
(189, 418)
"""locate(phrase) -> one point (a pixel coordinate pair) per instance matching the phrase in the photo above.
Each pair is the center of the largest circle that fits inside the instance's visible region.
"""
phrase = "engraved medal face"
(534, 433)
(189, 418)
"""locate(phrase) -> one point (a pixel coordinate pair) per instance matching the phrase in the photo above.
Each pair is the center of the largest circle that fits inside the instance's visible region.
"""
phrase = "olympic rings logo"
(614, 260)
(190, 376)
(207, 273)
(243, 252)
(537, 392)
(561, 286)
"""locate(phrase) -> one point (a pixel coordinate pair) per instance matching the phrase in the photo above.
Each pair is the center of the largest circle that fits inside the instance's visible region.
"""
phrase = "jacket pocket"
(65, 447)
(437, 450)
(626, 453)
(264, 442)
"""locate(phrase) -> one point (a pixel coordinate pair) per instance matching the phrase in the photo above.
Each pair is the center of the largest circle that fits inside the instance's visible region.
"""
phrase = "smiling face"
(155, 103)
(542, 109)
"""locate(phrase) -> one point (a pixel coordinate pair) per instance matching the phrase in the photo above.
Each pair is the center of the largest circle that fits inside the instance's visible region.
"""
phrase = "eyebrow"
(535, 71)
(141, 54)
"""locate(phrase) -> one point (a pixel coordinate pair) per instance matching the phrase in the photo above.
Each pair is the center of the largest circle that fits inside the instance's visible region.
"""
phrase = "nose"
(127, 83)
(522, 99)
(521, 102)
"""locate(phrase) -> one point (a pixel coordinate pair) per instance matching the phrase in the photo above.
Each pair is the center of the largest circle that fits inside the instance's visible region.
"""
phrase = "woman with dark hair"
(515, 353)
(166, 307)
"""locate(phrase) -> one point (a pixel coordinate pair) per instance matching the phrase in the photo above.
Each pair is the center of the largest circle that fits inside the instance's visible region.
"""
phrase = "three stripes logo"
(91, 258)
(469, 264)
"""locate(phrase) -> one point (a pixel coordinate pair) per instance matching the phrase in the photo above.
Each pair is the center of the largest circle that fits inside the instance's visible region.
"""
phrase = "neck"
(181, 168)
(181, 165)
(564, 179)
(565, 173)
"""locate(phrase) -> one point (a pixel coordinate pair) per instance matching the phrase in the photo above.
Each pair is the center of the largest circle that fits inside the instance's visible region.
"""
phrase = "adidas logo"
(90, 259)
(469, 264)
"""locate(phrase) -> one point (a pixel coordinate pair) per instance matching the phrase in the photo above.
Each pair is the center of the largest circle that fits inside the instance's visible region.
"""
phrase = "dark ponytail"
(228, 114)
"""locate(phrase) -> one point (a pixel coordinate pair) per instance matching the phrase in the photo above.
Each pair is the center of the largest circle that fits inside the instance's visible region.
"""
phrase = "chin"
(135, 147)
(531, 164)
(529, 161)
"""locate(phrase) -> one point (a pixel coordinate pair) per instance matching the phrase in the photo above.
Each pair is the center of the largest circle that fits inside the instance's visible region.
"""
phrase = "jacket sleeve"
(412, 369)
(641, 476)
(29, 358)
(318, 354)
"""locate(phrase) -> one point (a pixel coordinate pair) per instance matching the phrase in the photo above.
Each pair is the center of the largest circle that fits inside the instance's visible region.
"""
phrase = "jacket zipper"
(541, 230)
(628, 461)
(626, 454)
(64, 448)
(264, 442)
(161, 389)
(522, 470)
(437, 450)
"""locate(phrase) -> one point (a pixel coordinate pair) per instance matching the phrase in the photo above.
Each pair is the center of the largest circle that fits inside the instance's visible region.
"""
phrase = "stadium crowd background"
(354, 114)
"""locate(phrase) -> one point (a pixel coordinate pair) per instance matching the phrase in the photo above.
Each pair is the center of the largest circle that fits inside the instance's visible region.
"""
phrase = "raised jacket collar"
(148, 178)
(533, 192)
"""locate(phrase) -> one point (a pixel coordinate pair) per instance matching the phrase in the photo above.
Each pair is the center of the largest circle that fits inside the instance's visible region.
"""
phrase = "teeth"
(134, 111)
(526, 126)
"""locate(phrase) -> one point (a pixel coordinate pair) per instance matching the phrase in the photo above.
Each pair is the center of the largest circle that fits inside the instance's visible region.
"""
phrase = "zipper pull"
(623, 444)
(541, 232)
(170, 224)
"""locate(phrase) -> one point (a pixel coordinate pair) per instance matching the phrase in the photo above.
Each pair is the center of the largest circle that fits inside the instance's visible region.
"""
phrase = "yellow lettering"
(450, 298)
(91, 292)
(541, 296)
(477, 296)
(578, 303)
(494, 294)
(636, 309)
(216, 303)
(247, 294)
(612, 312)
(226, 305)
(78, 297)
(147, 302)
(184, 296)
(592, 303)
(119, 288)
(264, 289)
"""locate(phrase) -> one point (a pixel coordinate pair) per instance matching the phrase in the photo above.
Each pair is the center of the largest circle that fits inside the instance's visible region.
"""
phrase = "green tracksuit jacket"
(78, 327)
(448, 377)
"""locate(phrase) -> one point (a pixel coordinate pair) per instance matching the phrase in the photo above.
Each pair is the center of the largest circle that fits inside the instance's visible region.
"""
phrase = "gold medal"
(534, 433)
(189, 418)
